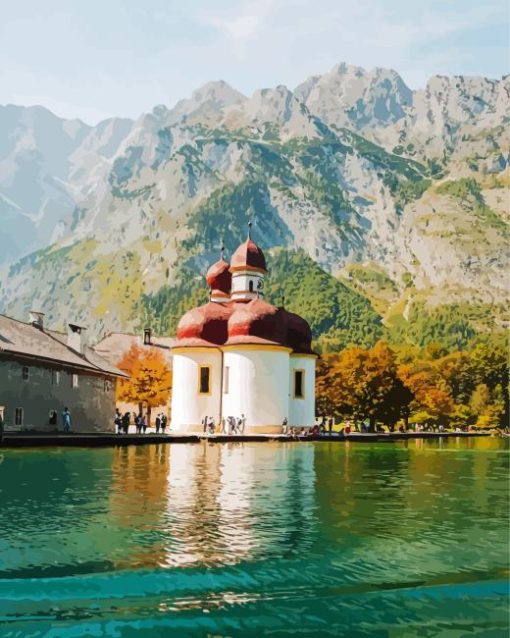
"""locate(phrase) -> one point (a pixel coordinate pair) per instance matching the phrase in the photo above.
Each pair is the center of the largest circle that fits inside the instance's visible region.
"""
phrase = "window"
(55, 377)
(204, 380)
(74, 381)
(107, 385)
(250, 285)
(226, 379)
(18, 416)
(299, 384)
(24, 373)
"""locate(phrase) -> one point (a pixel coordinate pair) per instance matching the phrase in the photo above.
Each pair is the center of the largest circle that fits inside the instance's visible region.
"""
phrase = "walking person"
(158, 423)
(66, 419)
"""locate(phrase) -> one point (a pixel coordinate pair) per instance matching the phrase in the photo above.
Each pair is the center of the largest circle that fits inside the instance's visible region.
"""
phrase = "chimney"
(75, 339)
(37, 319)
(147, 334)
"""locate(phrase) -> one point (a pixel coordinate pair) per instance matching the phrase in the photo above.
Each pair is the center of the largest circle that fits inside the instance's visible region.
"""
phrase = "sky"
(94, 59)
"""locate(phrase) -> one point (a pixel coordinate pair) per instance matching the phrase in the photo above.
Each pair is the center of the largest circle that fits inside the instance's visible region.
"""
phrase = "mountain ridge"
(352, 171)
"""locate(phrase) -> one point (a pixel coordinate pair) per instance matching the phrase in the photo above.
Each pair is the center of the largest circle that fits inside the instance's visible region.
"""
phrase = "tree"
(150, 379)
(362, 384)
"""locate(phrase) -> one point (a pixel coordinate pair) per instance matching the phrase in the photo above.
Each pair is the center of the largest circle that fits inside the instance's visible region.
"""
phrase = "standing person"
(224, 425)
(138, 423)
(66, 419)
(204, 424)
(158, 423)
(117, 421)
(239, 425)
(144, 423)
(163, 423)
(243, 423)
(285, 423)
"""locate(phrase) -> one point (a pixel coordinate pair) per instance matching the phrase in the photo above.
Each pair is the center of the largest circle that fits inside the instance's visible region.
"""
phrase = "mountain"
(394, 201)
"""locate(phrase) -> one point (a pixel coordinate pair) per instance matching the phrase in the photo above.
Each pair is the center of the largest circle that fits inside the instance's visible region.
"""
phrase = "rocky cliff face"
(400, 195)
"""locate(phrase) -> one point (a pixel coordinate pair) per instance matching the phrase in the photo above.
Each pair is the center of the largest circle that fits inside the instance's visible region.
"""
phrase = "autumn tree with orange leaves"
(150, 379)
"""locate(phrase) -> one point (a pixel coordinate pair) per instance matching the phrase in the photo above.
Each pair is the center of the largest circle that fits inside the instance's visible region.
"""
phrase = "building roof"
(248, 257)
(243, 322)
(26, 340)
(114, 345)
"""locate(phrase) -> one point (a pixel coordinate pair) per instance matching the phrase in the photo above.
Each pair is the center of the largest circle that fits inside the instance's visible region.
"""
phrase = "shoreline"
(24, 440)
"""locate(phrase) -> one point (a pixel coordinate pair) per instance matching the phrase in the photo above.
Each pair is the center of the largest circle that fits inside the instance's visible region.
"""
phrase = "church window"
(226, 380)
(204, 380)
(250, 285)
(299, 384)
(18, 416)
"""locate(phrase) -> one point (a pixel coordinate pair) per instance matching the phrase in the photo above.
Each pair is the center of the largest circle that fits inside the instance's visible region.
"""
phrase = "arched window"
(250, 285)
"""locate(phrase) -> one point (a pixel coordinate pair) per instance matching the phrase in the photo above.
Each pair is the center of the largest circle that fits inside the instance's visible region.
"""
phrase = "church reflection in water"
(211, 504)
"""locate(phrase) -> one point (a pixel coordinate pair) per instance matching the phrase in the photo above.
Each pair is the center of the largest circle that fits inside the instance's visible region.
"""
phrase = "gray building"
(43, 371)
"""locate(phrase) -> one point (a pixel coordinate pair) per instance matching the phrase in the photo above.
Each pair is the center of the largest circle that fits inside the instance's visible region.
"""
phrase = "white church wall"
(189, 406)
(258, 386)
(302, 410)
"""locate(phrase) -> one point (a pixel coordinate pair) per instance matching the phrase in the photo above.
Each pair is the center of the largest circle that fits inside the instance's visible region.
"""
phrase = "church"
(239, 355)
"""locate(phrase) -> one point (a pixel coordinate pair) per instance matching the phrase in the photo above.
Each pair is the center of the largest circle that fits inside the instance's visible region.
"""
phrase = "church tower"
(248, 268)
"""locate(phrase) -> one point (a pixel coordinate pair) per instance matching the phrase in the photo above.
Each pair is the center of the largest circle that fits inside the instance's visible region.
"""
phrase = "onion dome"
(299, 334)
(248, 257)
(204, 326)
(219, 277)
(257, 322)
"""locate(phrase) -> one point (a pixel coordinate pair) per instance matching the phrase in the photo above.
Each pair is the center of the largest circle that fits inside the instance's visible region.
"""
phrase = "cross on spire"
(222, 252)
(249, 229)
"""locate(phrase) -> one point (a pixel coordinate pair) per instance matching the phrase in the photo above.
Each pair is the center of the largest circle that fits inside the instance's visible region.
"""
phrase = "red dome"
(299, 334)
(248, 255)
(205, 325)
(219, 276)
(257, 322)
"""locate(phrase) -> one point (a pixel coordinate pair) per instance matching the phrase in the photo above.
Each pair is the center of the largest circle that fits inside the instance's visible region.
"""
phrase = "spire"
(283, 301)
(222, 252)
(249, 229)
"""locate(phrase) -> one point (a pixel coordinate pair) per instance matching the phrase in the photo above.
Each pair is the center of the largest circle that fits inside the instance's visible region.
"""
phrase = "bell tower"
(248, 268)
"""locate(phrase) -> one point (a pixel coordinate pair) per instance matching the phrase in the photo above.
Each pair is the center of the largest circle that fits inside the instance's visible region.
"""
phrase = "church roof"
(248, 256)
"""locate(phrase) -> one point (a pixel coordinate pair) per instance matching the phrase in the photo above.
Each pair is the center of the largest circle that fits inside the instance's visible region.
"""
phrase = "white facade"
(189, 404)
(302, 405)
(257, 381)
(257, 385)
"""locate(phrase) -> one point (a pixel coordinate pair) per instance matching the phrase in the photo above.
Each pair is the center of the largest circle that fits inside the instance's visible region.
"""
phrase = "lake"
(254, 539)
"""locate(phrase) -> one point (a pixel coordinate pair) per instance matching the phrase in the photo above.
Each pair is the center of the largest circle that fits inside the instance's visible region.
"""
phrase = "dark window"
(18, 416)
(204, 380)
(24, 373)
(250, 285)
(299, 390)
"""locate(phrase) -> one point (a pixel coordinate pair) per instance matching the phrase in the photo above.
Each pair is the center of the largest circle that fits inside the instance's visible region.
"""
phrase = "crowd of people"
(227, 425)
(122, 422)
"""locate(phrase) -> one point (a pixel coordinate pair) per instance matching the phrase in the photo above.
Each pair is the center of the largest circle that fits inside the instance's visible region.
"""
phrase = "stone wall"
(92, 403)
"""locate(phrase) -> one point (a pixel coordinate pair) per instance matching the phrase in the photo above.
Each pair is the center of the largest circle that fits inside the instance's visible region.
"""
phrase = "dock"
(107, 439)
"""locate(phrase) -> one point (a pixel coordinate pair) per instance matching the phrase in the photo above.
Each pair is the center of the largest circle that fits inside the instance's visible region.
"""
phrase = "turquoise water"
(256, 539)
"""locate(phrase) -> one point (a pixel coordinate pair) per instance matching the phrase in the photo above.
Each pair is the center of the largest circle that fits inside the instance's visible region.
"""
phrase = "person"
(285, 424)
(158, 423)
(315, 430)
(117, 421)
(204, 424)
(125, 422)
(330, 425)
(212, 426)
(144, 423)
(138, 423)
(66, 419)
(231, 425)
(243, 423)
(53, 417)
(239, 424)
(163, 423)
(224, 425)
(347, 429)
